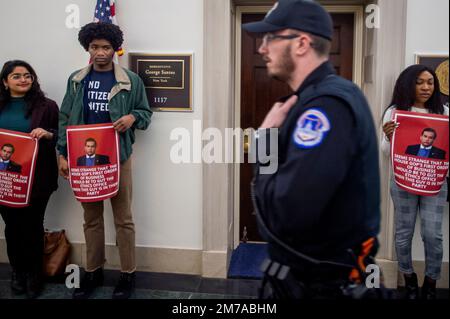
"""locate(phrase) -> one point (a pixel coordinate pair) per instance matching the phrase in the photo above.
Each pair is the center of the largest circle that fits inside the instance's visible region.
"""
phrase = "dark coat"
(46, 174)
(13, 167)
(435, 152)
(99, 160)
(321, 208)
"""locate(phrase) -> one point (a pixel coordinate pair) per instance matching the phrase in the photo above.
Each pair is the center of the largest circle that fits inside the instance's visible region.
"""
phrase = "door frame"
(358, 11)
(384, 59)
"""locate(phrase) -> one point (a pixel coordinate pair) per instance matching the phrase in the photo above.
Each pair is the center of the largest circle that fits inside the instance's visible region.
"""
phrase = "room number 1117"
(161, 100)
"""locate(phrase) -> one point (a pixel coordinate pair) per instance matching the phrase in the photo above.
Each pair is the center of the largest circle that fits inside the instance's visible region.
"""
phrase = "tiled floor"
(160, 286)
(149, 286)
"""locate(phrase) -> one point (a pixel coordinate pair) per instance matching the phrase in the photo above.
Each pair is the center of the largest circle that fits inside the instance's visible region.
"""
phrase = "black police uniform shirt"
(97, 88)
(324, 197)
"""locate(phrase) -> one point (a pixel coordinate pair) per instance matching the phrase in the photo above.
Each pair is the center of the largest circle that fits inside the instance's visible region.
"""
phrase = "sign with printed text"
(18, 156)
(93, 157)
(167, 79)
(419, 152)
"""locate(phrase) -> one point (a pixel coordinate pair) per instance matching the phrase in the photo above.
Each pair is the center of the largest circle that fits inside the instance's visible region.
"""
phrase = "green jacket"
(126, 97)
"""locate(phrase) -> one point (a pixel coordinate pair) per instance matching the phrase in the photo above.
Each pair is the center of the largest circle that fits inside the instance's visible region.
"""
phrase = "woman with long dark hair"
(416, 90)
(24, 108)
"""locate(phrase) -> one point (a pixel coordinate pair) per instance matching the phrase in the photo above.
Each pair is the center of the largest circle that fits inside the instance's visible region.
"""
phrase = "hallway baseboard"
(211, 264)
(148, 259)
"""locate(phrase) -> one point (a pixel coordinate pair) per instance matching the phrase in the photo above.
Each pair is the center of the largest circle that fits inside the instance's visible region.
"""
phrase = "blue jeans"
(431, 211)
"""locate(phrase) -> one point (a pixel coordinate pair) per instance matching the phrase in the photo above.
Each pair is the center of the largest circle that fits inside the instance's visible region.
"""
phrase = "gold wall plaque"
(442, 74)
(167, 79)
(438, 63)
(162, 74)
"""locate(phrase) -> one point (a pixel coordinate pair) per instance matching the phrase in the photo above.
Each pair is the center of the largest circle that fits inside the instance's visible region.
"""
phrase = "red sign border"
(427, 116)
(33, 163)
(87, 128)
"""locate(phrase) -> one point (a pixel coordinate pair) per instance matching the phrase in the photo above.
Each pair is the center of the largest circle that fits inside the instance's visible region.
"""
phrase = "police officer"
(319, 211)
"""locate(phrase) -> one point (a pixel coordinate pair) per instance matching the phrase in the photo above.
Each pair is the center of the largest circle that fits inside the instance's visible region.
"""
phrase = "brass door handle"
(247, 135)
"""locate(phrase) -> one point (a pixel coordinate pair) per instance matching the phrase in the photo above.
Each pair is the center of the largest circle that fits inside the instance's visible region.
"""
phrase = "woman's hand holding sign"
(124, 123)
(41, 133)
(389, 129)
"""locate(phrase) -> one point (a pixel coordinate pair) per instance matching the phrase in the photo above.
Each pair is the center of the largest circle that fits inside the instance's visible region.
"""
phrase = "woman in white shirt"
(416, 90)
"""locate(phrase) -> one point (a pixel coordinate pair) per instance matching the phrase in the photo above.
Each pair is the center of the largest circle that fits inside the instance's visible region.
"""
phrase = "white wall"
(427, 28)
(167, 198)
(428, 32)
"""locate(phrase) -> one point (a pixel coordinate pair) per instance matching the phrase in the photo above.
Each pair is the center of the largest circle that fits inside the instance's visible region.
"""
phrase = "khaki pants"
(94, 228)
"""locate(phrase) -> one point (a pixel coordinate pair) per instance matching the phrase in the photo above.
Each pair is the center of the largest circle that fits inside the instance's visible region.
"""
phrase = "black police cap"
(302, 15)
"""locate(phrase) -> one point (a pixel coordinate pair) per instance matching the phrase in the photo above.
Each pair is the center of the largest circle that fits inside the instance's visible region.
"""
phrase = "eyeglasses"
(26, 77)
(269, 37)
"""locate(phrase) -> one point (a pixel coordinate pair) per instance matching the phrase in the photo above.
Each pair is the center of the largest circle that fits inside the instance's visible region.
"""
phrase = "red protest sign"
(419, 152)
(93, 157)
(18, 155)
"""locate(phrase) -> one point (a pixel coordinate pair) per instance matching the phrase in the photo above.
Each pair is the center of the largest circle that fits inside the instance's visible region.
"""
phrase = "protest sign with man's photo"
(18, 153)
(420, 152)
(93, 158)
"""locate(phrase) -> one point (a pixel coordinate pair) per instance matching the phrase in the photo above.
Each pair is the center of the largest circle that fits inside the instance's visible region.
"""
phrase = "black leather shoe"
(90, 281)
(125, 287)
(428, 291)
(34, 285)
(412, 287)
(18, 282)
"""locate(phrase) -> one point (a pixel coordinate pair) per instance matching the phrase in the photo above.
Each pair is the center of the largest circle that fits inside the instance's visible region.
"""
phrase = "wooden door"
(259, 92)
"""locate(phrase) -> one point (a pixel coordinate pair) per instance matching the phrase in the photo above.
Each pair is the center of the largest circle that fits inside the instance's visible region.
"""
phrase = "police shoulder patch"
(312, 127)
